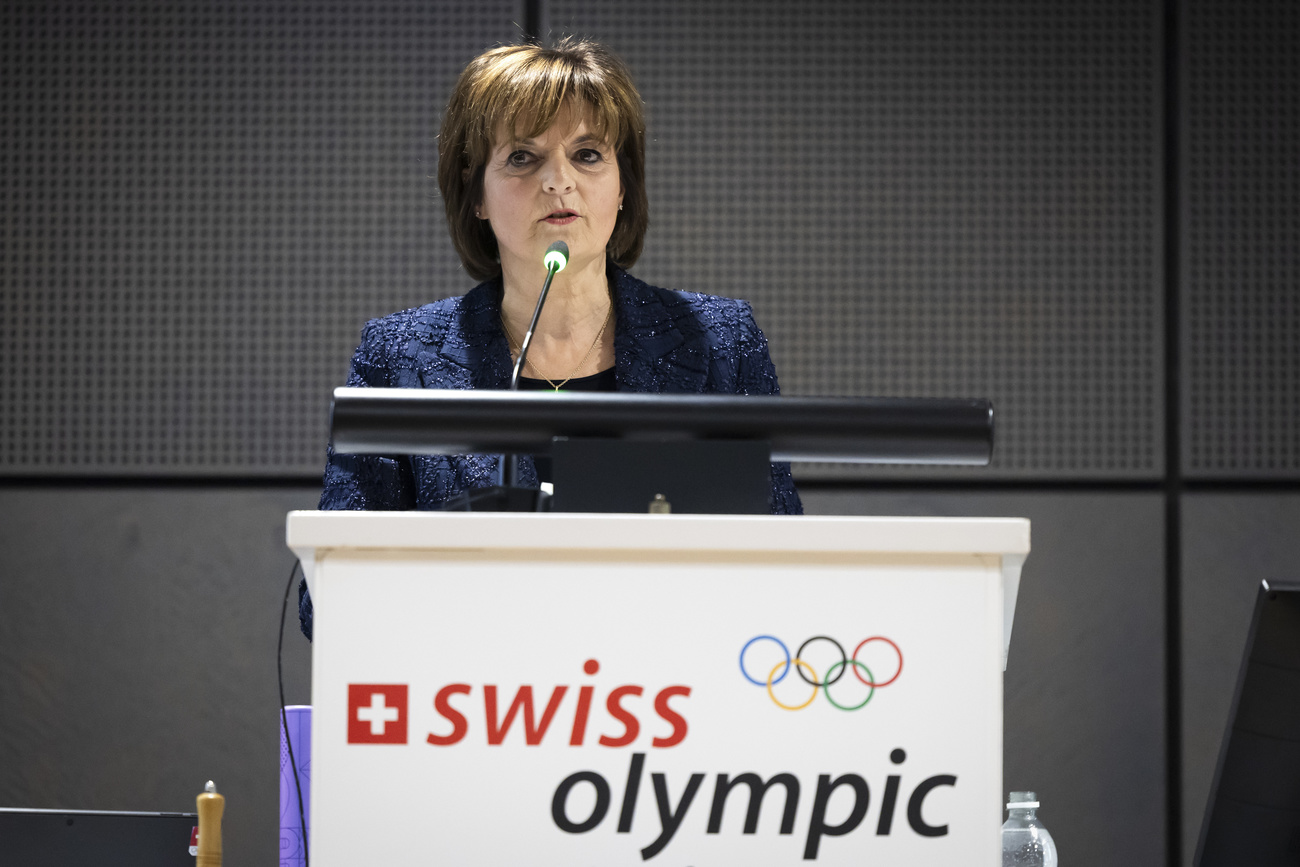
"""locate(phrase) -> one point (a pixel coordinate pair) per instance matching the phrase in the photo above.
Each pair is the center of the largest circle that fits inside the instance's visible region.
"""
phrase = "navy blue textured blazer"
(665, 342)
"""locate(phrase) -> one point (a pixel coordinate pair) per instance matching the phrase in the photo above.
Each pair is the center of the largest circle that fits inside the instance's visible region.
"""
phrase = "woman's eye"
(591, 156)
(518, 159)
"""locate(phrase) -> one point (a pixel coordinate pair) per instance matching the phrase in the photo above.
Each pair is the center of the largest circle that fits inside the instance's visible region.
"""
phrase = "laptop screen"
(37, 838)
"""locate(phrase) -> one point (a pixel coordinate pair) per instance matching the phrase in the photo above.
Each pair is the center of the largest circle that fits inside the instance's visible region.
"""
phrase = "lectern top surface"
(468, 530)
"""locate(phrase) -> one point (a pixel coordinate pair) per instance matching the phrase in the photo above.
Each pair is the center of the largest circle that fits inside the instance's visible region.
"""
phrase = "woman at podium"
(541, 145)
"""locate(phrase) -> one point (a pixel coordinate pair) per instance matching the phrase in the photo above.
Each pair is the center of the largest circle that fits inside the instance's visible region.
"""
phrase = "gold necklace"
(528, 362)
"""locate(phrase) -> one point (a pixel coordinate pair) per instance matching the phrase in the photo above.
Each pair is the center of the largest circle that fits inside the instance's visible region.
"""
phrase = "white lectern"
(585, 689)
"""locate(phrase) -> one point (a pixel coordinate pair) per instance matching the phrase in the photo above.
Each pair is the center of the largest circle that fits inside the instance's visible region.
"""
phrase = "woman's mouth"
(560, 218)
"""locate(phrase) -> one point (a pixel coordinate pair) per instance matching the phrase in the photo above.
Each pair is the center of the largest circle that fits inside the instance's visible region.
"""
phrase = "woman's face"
(562, 185)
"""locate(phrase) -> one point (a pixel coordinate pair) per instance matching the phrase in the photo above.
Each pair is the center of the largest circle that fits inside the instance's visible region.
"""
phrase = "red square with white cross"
(376, 713)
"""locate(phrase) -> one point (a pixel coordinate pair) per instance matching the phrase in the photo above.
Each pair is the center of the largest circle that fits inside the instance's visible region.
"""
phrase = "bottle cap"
(1023, 801)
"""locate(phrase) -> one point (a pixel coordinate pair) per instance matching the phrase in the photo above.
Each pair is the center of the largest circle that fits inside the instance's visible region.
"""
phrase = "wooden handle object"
(211, 806)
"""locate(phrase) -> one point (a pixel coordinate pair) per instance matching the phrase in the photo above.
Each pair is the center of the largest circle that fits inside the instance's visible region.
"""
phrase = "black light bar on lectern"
(391, 421)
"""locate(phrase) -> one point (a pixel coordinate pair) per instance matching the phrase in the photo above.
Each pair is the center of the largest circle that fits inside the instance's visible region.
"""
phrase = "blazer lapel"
(473, 352)
(651, 353)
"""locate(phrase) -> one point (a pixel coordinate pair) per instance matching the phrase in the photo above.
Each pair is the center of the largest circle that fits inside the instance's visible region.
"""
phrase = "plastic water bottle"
(1025, 842)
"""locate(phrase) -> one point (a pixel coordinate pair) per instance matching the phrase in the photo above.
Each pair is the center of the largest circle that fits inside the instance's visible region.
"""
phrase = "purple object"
(291, 831)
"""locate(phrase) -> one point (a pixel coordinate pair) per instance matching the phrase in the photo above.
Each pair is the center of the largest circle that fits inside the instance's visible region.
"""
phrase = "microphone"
(556, 257)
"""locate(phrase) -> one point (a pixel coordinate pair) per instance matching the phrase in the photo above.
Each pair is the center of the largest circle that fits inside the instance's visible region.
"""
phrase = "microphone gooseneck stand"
(507, 495)
(557, 256)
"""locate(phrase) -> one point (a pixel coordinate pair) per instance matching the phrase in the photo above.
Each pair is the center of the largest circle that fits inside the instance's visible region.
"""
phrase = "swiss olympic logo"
(834, 672)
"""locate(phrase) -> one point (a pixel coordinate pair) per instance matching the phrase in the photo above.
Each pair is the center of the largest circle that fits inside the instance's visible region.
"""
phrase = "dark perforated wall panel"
(1242, 312)
(137, 653)
(936, 198)
(201, 204)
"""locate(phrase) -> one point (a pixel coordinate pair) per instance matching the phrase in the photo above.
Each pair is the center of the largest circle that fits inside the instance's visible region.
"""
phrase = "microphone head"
(557, 256)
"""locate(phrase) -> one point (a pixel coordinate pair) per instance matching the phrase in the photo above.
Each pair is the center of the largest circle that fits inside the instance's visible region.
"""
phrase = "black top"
(602, 381)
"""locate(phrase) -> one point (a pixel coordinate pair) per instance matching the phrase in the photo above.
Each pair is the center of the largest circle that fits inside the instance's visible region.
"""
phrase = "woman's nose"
(557, 177)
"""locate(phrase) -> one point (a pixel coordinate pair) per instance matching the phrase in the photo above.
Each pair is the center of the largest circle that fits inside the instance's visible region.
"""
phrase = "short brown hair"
(522, 88)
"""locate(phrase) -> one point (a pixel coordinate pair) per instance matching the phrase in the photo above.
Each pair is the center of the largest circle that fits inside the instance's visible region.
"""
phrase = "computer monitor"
(852, 430)
(56, 838)
(620, 452)
(1253, 814)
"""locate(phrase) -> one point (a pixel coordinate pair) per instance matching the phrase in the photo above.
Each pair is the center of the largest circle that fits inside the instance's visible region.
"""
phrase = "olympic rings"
(799, 663)
(827, 687)
(896, 650)
(833, 673)
(784, 650)
(843, 660)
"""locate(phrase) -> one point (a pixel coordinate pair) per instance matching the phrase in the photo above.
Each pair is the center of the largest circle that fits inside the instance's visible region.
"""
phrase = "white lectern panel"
(579, 689)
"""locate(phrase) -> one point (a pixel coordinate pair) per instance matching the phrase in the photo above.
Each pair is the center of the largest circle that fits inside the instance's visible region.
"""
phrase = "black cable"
(284, 715)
